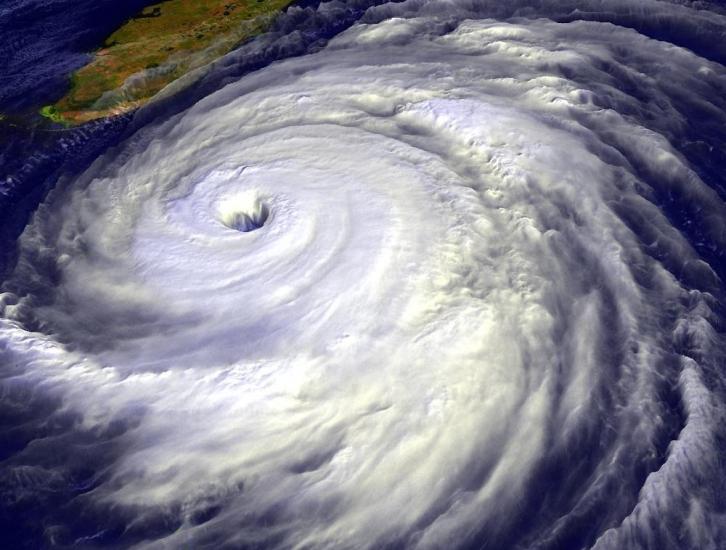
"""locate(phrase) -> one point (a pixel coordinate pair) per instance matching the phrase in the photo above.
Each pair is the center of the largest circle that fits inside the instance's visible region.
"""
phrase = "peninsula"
(155, 47)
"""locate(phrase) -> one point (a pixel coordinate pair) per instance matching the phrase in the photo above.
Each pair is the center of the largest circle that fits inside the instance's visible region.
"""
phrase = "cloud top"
(415, 289)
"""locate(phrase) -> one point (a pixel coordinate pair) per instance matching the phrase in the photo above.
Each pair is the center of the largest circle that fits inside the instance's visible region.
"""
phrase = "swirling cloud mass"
(418, 289)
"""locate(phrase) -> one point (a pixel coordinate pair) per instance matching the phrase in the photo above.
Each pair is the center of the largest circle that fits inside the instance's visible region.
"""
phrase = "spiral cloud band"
(416, 289)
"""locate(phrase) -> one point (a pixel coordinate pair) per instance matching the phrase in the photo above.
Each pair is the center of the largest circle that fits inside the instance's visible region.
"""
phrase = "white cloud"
(447, 293)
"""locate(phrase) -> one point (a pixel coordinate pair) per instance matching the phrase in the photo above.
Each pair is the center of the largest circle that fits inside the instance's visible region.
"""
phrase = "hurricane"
(452, 279)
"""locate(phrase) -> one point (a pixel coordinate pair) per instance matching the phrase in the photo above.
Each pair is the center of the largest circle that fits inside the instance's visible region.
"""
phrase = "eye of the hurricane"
(248, 221)
(244, 214)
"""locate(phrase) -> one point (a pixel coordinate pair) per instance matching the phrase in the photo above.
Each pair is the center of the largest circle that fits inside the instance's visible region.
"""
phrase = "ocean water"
(424, 274)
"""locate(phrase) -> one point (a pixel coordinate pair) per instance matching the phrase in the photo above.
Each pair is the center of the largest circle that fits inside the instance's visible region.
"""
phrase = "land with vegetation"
(156, 47)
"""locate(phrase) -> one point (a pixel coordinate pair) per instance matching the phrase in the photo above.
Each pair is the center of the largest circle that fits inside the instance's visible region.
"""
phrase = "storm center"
(244, 214)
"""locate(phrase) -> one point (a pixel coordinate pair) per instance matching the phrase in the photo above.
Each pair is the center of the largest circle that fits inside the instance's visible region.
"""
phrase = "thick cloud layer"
(414, 290)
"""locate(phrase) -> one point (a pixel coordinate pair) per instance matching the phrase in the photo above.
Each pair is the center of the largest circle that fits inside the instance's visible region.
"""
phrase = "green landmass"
(156, 47)
(49, 111)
